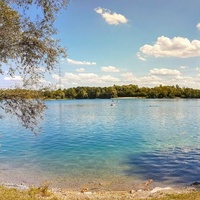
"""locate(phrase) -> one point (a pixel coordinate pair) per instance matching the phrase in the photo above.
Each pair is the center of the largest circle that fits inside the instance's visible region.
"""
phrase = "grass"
(43, 190)
(186, 196)
(31, 194)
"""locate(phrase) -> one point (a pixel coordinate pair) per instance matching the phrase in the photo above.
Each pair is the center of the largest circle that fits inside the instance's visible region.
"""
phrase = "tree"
(26, 44)
(25, 105)
(70, 93)
(82, 93)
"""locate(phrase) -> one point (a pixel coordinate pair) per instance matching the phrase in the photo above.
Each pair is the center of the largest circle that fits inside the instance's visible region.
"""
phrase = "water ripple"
(144, 138)
(175, 165)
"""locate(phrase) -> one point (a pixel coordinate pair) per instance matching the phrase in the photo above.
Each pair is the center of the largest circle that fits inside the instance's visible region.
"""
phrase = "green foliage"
(26, 105)
(70, 93)
(14, 194)
(103, 92)
(19, 94)
(26, 44)
(43, 191)
(81, 93)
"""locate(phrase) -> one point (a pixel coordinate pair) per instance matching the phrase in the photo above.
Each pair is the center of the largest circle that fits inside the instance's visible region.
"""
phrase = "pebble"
(132, 191)
(87, 193)
(17, 186)
(157, 189)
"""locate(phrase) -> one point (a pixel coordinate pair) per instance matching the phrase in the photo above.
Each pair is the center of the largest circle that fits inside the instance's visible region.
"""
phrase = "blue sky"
(142, 42)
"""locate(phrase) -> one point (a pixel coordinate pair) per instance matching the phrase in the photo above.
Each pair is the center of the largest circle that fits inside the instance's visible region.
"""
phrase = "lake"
(105, 143)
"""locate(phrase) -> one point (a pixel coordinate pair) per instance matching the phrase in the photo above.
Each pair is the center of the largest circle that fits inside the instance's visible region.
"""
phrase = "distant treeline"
(106, 92)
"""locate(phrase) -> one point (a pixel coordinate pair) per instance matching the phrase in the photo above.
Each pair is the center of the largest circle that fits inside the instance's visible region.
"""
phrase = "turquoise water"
(92, 141)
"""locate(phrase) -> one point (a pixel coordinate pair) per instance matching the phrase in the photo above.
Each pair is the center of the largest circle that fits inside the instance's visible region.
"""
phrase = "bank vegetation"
(104, 92)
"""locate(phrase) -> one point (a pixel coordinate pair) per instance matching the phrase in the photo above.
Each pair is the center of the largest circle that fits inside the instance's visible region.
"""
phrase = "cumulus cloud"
(140, 57)
(44, 81)
(128, 76)
(80, 70)
(55, 76)
(108, 78)
(151, 81)
(111, 18)
(75, 62)
(86, 78)
(184, 67)
(198, 69)
(176, 47)
(15, 78)
(198, 26)
(165, 72)
(109, 69)
(155, 77)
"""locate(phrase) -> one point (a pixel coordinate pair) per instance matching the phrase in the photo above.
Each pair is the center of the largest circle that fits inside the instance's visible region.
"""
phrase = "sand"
(143, 191)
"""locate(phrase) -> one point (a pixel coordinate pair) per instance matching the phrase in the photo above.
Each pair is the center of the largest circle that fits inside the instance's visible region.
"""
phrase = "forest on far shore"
(103, 92)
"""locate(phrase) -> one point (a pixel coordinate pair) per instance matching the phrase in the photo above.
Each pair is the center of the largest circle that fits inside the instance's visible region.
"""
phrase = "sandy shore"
(143, 191)
(141, 194)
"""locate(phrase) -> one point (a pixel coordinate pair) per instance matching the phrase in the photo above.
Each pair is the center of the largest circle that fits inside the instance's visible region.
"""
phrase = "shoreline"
(78, 183)
(94, 187)
(88, 193)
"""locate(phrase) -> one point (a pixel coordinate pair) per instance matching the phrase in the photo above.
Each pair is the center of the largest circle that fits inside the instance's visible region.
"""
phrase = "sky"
(120, 42)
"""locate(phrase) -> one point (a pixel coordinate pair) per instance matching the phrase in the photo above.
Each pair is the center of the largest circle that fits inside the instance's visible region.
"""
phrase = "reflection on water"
(91, 141)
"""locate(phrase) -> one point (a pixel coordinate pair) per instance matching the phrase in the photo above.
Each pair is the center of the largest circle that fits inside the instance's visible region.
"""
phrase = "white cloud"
(15, 78)
(198, 26)
(71, 77)
(128, 76)
(108, 78)
(165, 72)
(80, 70)
(41, 69)
(179, 77)
(155, 77)
(109, 69)
(111, 18)
(140, 57)
(198, 69)
(75, 62)
(184, 67)
(176, 47)
(86, 78)
(55, 76)
(150, 81)
(44, 81)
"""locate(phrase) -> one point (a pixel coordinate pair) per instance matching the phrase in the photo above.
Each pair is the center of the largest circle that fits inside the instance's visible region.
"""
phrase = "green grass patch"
(31, 194)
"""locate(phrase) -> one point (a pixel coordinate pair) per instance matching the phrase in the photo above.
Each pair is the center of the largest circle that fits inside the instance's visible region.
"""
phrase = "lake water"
(91, 142)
